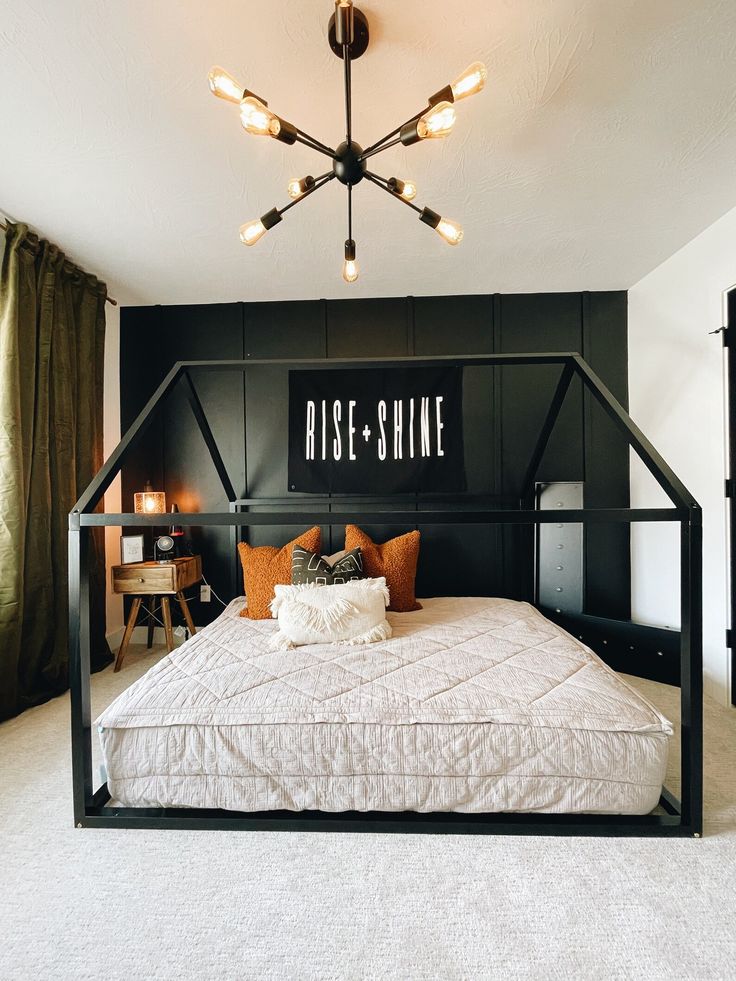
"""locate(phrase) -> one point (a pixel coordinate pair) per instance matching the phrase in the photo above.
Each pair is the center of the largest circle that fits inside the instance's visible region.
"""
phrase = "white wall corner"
(677, 396)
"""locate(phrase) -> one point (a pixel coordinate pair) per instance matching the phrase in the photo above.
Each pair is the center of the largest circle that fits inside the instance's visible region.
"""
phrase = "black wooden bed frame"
(674, 817)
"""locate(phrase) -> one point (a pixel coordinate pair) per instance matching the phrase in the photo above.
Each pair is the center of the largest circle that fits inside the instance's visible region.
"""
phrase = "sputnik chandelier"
(348, 38)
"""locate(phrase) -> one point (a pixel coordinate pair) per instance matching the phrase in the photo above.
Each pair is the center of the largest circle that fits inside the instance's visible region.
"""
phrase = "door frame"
(729, 374)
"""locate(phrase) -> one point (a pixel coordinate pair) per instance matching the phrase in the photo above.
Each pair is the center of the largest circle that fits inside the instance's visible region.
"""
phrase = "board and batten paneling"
(503, 412)
(294, 329)
(190, 478)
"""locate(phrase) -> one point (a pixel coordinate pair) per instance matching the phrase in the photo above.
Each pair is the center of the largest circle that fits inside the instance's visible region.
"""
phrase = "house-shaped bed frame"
(674, 817)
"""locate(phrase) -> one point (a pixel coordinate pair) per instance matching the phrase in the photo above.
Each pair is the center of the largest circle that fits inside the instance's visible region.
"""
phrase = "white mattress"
(474, 704)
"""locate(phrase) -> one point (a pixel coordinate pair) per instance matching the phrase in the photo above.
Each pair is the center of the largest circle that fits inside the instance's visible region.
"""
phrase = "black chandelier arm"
(378, 149)
(383, 184)
(350, 212)
(306, 140)
(320, 182)
(316, 142)
(376, 177)
(374, 146)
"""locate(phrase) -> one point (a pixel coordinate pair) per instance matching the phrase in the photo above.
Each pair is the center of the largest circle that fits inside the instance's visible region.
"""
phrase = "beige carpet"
(233, 905)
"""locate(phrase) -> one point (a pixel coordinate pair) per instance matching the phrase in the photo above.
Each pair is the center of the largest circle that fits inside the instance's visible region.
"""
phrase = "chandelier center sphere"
(347, 165)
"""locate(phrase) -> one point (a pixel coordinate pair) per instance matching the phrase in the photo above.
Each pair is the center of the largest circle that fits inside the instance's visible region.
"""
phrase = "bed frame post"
(234, 557)
(691, 670)
(79, 672)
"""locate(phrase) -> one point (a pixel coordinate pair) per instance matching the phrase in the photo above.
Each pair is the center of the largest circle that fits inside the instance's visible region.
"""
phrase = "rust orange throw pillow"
(265, 567)
(396, 559)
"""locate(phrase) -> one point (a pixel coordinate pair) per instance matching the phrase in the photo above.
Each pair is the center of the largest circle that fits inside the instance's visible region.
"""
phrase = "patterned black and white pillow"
(307, 567)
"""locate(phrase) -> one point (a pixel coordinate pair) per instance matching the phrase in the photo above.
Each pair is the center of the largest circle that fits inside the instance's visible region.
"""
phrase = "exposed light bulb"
(257, 119)
(224, 86)
(409, 191)
(402, 189)
(299, 186)
(350, 270)
(450, 231)
(252, 231)
(437, 122)
(350, 266)
(470, 81)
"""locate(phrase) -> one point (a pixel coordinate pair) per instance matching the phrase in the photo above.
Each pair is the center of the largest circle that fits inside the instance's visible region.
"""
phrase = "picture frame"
(131, 549)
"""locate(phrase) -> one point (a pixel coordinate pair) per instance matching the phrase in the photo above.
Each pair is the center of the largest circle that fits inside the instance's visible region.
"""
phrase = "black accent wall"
(503, 412)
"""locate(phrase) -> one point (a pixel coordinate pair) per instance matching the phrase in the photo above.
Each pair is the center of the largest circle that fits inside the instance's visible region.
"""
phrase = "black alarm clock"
(164, 548)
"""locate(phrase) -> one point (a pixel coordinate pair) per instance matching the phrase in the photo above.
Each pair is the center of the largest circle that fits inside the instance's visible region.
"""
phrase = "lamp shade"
(175, 530)
(149, 501)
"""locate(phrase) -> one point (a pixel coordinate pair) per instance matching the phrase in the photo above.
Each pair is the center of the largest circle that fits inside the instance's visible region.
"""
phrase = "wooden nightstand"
(164, 579)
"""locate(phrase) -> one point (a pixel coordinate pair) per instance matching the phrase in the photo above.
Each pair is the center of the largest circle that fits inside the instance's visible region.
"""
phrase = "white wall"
(111, 439)
(677, 397)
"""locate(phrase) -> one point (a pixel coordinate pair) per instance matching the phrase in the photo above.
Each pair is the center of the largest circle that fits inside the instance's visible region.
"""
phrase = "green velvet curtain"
(52, 336)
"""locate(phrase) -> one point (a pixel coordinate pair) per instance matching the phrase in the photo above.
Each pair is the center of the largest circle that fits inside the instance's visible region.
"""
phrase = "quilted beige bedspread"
(474, 704)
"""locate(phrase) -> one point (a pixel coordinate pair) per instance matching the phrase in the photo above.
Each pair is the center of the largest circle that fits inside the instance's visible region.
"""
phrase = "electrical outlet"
(204, 594)
(179, 631)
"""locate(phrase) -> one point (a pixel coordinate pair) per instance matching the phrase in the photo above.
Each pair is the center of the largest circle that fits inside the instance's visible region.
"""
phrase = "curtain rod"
(108, 299)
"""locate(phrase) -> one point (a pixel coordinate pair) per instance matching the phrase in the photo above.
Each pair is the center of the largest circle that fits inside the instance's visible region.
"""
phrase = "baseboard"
(719, 692)
(140, 636)
(115, 637)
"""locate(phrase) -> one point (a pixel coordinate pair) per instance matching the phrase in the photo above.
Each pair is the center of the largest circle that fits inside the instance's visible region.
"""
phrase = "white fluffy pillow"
(351, 612)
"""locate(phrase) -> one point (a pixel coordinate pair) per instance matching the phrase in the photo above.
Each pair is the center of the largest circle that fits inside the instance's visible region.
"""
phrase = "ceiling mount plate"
(360, 35)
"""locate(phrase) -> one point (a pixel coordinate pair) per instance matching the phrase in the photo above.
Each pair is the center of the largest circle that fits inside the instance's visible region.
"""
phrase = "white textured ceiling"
(604, 140)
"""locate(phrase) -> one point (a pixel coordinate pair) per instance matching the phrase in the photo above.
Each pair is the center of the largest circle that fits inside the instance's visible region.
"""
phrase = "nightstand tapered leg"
(122, 650)
(166, 610)
(187, 615)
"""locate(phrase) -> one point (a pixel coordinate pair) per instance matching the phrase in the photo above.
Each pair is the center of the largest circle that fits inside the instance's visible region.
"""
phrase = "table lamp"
(149, 501)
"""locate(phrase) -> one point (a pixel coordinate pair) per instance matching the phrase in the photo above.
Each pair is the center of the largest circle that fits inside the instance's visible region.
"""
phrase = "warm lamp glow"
(437, 122)
(470, 81)
(350, 270)
(257, 119)
(410, 191)
(149, 501)
(450, 231)
(402, 189)
(299, 185)
(252, 231)
(224, 86)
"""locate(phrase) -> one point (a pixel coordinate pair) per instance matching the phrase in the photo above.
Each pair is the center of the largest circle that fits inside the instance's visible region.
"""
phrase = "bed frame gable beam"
(210, 442)
(665, 476)
(657, 466)
(113, 465)
(527, 487)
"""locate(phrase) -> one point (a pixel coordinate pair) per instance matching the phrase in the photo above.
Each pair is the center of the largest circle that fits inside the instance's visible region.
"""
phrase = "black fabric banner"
(371, 431)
